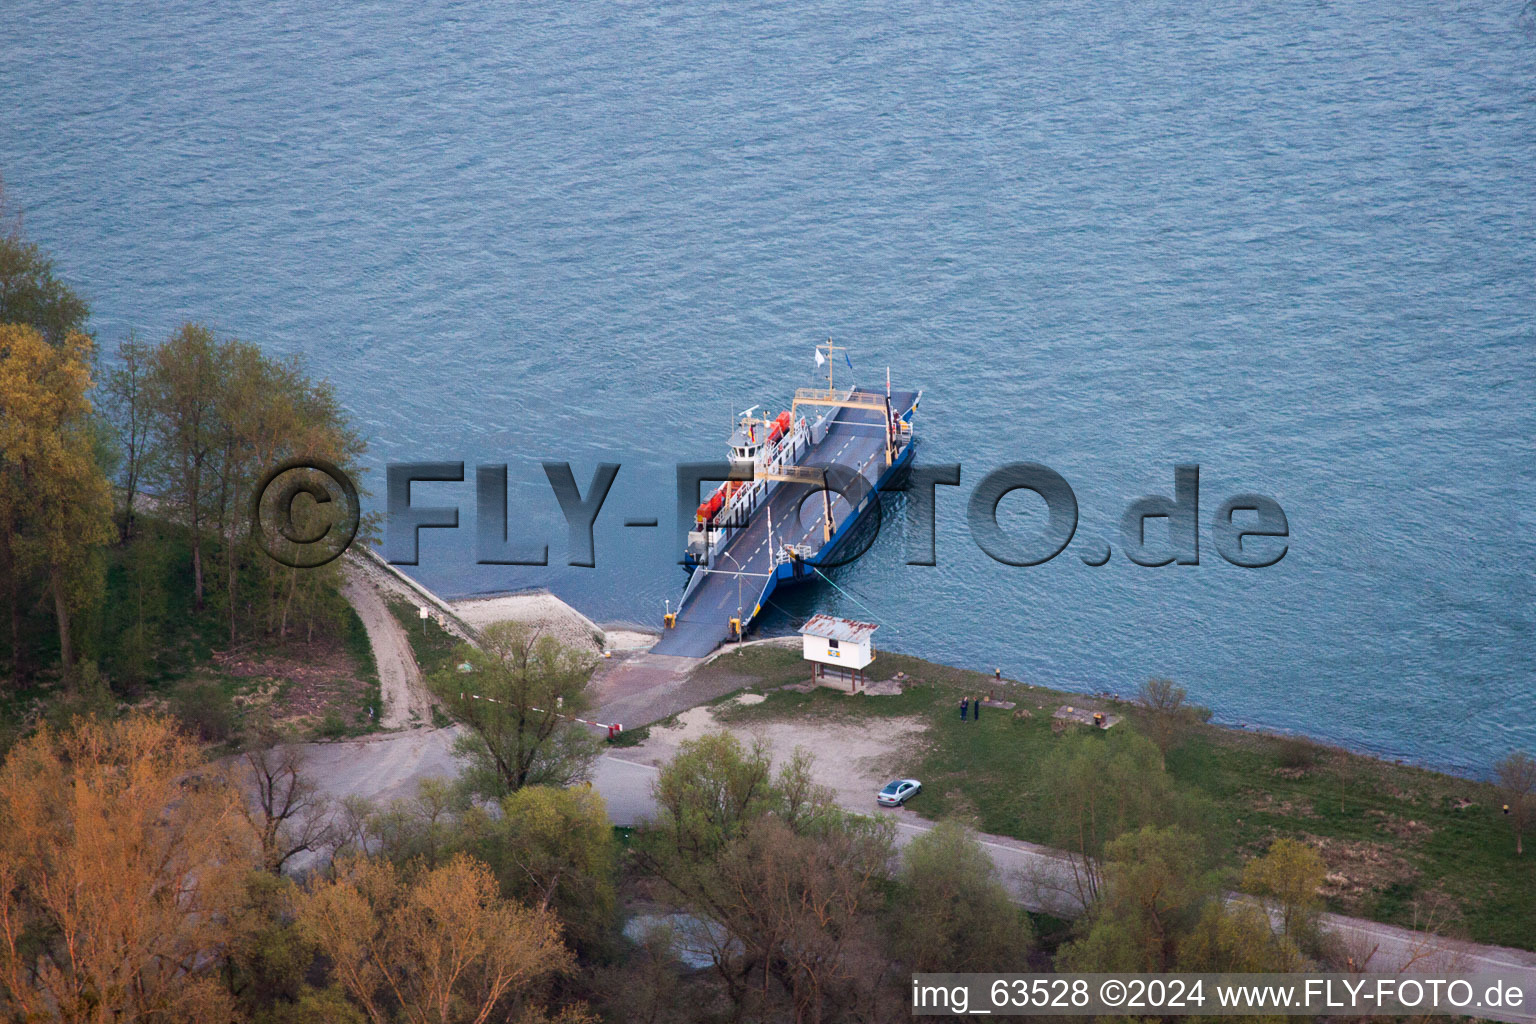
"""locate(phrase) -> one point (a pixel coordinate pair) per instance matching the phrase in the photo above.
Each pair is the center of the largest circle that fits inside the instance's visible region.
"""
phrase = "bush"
(133, 660)
(1296, 752)
(334, 727)
(90, 698)
(204, 710)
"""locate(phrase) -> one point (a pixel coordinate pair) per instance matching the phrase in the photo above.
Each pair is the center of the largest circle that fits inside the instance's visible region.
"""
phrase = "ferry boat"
(805, 480)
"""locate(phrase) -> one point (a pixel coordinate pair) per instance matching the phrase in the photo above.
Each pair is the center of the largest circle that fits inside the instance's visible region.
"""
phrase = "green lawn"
(1398, 848)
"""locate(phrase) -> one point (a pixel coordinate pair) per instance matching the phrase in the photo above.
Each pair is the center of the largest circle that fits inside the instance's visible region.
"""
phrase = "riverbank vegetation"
(1401, 844)
(139, 879)
(127, 568)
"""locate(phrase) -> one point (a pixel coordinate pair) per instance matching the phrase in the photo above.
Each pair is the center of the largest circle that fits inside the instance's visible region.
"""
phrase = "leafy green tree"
(30, 293)
(1157, 884)
(267, 959)
(554, 848)
(708, 793)
(950, 912)
(1236, 938)
(216, 415)
(126, 405)
(1290, 873)
(137, 622)
(518, 702)
(183, 391)
(1101, 786)
(426, 827)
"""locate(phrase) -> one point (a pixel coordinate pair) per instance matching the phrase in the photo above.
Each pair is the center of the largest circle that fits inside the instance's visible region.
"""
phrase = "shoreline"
(549, 607)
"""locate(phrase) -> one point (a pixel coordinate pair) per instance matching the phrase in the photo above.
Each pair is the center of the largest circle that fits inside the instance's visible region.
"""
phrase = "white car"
(897, 793)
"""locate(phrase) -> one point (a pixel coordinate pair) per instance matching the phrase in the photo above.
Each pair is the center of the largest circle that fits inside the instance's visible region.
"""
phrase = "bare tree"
(126, 394)
(1167, 716)
(289, 814)
(1516, 776)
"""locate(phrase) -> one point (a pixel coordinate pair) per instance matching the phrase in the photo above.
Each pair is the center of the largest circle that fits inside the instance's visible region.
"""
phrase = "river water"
(1294, 243)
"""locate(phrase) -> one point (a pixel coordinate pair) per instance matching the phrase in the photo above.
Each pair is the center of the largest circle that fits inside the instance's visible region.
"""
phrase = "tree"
(1099, 787)
(127, 408)
(29, 292)
(424, 828)
(785, 884)
(553, 848)
(438, 947)
(801, 906)
(518, 703)
(55, 504)
(183, 391)
(950, 913)
(1156, 888)
(1167, 717)
(1516, 779)
(708, 793)
(1236, 938)
(288, 812)
(1289, 873)
(121, 858)
(217, 414)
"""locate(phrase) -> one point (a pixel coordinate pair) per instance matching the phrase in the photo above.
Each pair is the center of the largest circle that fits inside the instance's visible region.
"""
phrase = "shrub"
(1295, 752)
(334, 727)
(204, 710)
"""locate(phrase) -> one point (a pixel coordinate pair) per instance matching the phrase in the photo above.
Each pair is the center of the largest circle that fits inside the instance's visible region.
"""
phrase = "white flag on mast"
(820, 359)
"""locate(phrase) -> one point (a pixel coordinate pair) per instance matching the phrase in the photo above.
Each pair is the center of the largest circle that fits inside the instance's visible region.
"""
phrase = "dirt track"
(406, 703)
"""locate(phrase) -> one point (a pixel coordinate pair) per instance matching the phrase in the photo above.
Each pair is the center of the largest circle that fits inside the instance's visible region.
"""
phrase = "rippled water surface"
(1292, 242)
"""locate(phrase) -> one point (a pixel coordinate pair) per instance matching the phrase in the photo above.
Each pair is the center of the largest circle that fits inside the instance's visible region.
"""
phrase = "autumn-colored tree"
(950, 912)
(1516, 780)
(1290, 873)
(55, 504)
(120, 858)
(518, 703)
(439, 946)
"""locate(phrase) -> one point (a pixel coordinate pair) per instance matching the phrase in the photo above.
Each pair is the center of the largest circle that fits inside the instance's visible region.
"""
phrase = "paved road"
(1040, 879)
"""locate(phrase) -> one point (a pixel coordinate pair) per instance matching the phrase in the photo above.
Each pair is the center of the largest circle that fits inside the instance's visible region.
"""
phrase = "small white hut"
(839, 650)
